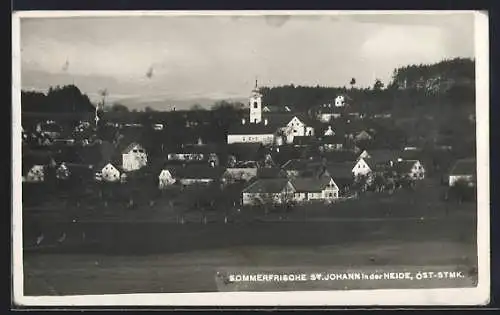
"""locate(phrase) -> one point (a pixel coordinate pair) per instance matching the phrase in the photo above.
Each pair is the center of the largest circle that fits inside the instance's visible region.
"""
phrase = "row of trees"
(65, 99)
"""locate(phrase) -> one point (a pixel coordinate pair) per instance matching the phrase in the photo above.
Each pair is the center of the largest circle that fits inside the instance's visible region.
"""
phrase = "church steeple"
(255, 105)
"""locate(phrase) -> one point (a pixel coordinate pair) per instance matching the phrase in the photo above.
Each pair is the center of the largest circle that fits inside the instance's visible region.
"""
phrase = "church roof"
(252, 129)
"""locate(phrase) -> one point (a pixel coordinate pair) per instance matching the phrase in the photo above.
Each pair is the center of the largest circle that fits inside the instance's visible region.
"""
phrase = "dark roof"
(267, 185)
(275, 109)
(310, 184)
(464, 167)
(303, 140)
(340, 170)
(404, 167)
(340, 156)
(270, 172)
(382, 156)
(251, 128)
(411, 154)
(195, 148)
(295, 164)
(244, 151)
(196, 172)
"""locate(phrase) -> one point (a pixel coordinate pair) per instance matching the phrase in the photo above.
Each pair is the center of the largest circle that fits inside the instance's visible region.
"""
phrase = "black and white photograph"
(250, 158)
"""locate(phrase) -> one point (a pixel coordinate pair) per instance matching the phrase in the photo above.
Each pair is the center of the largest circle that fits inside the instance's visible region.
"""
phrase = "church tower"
(255, 105)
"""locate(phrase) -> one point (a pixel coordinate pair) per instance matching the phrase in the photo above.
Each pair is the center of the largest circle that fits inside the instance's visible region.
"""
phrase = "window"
(255, 120)
(330, 195)
(255, 105)
(335, 195)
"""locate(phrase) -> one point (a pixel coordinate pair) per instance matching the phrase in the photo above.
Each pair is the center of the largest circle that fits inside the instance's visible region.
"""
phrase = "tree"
(119, 108)
(148, 109)
(197, 107)
(352, 83)
(378, 85)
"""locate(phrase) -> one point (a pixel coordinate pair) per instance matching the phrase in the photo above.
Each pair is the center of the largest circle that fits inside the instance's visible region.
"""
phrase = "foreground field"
(59, 274)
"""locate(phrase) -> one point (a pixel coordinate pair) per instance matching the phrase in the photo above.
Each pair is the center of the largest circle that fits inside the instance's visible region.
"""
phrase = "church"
(268, 128)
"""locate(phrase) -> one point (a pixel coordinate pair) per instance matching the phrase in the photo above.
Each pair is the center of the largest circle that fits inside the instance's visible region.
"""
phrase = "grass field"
(149, 251)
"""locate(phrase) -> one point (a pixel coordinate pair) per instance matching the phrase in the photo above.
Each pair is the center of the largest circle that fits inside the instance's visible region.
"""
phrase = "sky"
(158, 58)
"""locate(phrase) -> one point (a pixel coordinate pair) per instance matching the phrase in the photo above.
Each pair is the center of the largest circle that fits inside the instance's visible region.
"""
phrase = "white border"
(467, 296)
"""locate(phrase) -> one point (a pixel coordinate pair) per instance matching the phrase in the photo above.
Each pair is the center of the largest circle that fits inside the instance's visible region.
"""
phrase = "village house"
(190, 174)
(341, 172)
(331, 143)
(410, 169)
(134, 157)
(295, 167)
(262, 133)
(109, 172)
(268, 191)
(329, 131)
(195, 153)
(76, 172)
(240, 153)
(35, 166)
(464, 170)
(321, 188)
(326, 113)
(363, 135)
(374, 161)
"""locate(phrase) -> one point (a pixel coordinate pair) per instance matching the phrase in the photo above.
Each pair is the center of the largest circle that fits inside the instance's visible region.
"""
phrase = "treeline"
(449, 81)
(65, 99)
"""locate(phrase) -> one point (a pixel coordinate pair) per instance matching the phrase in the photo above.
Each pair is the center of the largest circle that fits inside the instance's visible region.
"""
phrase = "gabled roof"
(340, 156)
(279, 120)
(130, 146)
(340, 170)
(295, 164)
(267, 185)
(464, 167)
(196, 172)
(382, 156)
(310, 184)
(404, 167)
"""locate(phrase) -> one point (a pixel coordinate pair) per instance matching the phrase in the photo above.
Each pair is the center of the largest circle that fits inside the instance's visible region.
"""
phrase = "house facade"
(165, 179)
(411, 169)
(361, 168)
(463, 170)
(108, 173)
(315, 189)
(35, 174)
(268, 191)
(134, 157)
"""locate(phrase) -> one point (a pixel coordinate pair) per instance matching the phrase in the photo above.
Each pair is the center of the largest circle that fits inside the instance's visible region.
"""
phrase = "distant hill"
(170, 104)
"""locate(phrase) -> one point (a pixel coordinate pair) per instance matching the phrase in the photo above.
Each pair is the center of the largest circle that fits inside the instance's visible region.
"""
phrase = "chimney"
(265, 121)
(243, 121)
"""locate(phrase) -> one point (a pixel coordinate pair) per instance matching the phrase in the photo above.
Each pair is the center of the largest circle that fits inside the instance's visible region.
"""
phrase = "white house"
(246, 132)
(411, 169)
(361, 168)
(463, 170)
(165, 179)
(134, 157)
(108, 173)
(329, 131)
(340, 101)
(35, 174)
(313, 189)
(268, 191)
